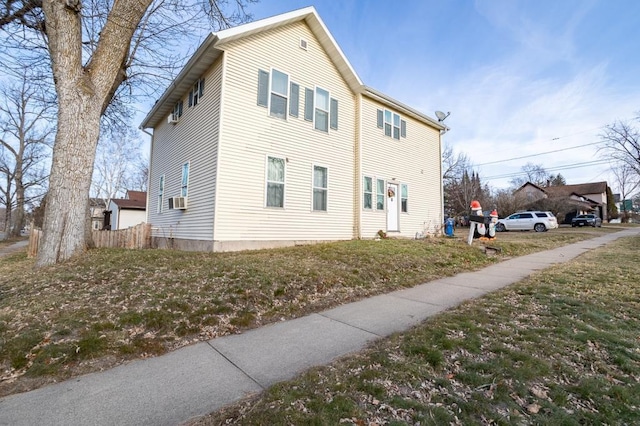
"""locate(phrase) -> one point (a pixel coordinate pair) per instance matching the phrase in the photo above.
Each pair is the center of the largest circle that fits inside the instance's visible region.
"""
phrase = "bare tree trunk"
(17, 217)
(66, 213)
(7, 221)
(83, 94)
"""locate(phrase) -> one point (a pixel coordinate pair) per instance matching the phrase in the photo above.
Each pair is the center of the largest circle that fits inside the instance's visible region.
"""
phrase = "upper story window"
(275, 182)
(279, 94)
(321, 108)
(184, 188)
(196, 92)
(394, 126)
(321, 116)
(177, 111)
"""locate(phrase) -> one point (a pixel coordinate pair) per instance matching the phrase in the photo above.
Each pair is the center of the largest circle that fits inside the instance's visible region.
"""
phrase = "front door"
(393, 219)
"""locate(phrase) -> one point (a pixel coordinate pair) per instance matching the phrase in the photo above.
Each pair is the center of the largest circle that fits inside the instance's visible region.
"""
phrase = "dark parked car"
(586, 220)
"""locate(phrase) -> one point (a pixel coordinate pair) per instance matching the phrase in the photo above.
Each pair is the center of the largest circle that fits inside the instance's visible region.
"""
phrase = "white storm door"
(393, 218)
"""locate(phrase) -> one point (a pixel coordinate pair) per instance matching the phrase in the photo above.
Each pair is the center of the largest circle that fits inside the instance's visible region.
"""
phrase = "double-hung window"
(321, 115)
(275, 182)
(321, 108)
(394, 126)
(320, 188)
(367, 185)
(404, 198)
(380, 194)
(184, 187)
(160, 193)
(387, 122)
(177, 111)
(196, 92)
(279, 94)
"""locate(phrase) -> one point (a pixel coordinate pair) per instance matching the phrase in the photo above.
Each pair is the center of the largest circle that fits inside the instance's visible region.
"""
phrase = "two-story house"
(268, 138)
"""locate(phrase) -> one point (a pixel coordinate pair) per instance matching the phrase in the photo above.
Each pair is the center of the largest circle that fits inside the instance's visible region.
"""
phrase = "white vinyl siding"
(194, 140)
(414, 165)
(244, 148)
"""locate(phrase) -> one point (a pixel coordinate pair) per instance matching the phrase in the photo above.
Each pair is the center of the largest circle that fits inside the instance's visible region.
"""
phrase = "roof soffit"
(407, 110)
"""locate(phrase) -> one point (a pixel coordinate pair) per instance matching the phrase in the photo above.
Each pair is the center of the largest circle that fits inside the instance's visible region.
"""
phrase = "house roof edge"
(387, 100)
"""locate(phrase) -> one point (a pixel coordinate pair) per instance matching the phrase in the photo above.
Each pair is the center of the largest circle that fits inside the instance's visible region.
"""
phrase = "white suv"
(527, 221)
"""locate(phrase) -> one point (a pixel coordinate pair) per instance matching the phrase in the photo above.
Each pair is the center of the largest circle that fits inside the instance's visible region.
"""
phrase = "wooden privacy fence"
(34, 241)
(136, 237)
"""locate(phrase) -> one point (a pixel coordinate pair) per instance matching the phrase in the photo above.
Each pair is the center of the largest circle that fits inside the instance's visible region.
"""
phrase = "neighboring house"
(129, 211)
(571, 200)
(268, 138)
(97, 206)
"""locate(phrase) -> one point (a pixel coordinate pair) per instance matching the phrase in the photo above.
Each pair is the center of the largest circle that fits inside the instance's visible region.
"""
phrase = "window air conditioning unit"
(171, 119)
(178, 203)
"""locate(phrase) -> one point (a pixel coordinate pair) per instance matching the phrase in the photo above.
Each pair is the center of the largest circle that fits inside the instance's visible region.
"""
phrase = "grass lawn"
(559, 348)
(110, 306)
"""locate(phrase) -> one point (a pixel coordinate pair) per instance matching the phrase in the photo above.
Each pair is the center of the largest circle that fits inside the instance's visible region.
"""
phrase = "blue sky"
(519, 77)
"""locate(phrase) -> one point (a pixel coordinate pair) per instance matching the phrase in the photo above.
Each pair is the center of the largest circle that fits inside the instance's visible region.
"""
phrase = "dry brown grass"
(109, 306)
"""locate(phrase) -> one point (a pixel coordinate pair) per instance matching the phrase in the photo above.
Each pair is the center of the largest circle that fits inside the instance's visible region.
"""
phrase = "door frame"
(393, 207)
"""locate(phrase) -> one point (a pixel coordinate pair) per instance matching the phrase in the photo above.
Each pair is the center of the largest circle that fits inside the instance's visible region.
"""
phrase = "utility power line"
(537, 155)
(552, 169)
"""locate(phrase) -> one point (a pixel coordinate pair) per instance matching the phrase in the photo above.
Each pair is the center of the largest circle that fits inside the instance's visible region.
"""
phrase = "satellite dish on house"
(441, 115)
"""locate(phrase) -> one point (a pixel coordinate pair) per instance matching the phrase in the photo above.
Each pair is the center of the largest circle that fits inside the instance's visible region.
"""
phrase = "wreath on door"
(390, 193)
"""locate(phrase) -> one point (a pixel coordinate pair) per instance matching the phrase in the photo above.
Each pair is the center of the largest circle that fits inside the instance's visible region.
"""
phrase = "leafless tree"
(140, 178)
(115, 166)
(627, 181)
(621, 142)
(25, 138)
(459, 187)
(454, 165)
(534, 173)
(100, 52)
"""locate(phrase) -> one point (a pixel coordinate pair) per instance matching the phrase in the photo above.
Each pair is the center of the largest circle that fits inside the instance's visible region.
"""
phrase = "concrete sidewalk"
(202, 378)
(15, 247)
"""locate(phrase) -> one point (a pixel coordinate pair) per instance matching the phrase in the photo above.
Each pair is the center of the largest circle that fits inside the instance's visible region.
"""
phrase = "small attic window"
(303, 44)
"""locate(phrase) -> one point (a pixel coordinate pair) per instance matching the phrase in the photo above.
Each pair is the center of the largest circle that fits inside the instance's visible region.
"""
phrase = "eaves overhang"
(211, 49)
(405, 109)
